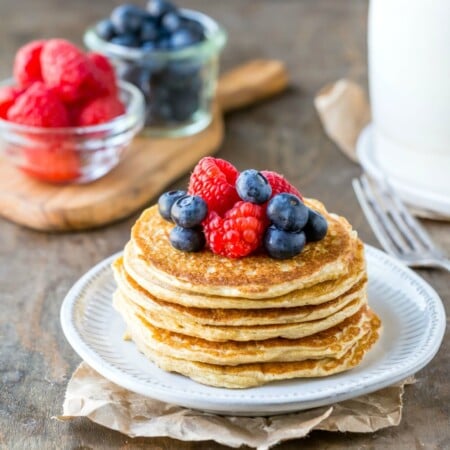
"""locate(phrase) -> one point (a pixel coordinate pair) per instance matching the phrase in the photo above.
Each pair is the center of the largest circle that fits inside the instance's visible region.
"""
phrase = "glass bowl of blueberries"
(171, 55)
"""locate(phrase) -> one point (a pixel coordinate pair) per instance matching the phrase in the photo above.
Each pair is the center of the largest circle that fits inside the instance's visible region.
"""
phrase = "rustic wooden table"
(320, 41)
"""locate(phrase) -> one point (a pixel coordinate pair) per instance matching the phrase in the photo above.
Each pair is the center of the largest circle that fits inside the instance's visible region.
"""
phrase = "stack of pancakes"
(238, 323)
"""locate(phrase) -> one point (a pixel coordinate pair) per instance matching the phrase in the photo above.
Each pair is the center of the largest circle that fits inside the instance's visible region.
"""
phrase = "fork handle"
(430, 263)
(444, 264)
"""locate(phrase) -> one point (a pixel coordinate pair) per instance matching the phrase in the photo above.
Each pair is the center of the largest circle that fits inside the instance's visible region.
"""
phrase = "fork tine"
(393, 226)
(381, 206)
(396, 216)
(413, 224)
(373, 215)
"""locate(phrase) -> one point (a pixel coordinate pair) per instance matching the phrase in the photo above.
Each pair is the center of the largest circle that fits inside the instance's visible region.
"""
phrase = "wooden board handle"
(251, 82)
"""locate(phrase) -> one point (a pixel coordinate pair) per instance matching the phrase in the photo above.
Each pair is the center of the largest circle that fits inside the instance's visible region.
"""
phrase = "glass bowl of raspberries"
(64, 117)
(171, 55)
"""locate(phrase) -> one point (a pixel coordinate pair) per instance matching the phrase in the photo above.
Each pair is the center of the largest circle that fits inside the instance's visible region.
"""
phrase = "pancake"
(239, 323)
(244, 333)
(255, 276)
(314, 295)
(227, 317)
(255, 374)
(332, 343)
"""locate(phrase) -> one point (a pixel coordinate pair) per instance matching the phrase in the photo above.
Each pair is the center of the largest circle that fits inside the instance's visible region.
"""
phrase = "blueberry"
(189, 211)
(182, 75)
(157, 8)
(196, 28)
(282, 244)
(148, 46)
(184, 105)
(105, 29)
(160, 93)
(127, 18)
(187, 239)
(156, 65)
(161, 112)
(175, 91)
(139, 76)
(252, 186)
(316, 228)
(170, 21)
(160, 104)
(144, 81)
(287, 212)
(183, 37)
(166, 201)
(126, 40)
(149, 31)
(193, 85)
(164, 43)
(183, 70)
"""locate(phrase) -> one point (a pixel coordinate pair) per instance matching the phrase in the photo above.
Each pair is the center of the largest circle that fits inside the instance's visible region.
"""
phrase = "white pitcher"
(409, 78)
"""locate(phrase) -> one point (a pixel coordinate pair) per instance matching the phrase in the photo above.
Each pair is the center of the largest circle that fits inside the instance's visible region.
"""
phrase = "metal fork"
(398, 231)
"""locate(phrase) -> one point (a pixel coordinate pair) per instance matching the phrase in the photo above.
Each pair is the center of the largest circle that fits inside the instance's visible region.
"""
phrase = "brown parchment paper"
(344, 111)
(91, 395)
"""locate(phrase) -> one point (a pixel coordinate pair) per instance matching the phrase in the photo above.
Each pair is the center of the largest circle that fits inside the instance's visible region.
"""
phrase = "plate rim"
(235, 401)
(418, 198)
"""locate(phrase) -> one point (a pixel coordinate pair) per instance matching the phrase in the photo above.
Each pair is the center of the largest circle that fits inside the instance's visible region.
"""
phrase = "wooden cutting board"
(150, 165)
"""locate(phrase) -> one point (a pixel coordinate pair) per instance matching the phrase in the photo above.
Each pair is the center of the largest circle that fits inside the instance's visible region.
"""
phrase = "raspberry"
(54, 163)
(39, 106)
(8, 95)
(238, 233)
(27, 63)
(214, 180)
(99, 110)
(280, 184)
(66, 69)
(103, 75)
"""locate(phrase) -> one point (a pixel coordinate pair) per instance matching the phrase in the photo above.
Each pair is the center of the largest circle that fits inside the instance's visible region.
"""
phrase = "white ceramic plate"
(413, 326)
(426, 204)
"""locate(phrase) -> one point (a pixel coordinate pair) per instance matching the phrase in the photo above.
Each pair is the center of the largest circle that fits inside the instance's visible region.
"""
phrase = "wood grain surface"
(149, 166)
(321, 41)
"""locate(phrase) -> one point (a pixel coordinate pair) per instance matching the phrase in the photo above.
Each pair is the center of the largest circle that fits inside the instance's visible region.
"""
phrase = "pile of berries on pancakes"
(236, 214)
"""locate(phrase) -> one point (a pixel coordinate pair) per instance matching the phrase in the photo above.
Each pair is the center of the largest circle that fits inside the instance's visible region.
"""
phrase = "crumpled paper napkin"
(91, 395)
(344, 111)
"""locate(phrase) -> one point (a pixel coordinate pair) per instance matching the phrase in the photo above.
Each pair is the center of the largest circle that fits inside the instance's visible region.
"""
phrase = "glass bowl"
(73, 154)
(178, 85)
